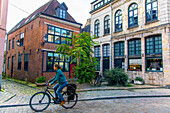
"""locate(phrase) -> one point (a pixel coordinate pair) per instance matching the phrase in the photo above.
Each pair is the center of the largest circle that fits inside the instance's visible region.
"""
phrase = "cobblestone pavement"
(144, 105)
(20, 94)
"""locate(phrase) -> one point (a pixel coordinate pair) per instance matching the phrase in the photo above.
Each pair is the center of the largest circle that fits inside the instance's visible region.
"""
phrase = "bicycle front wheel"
(39, 101)
(71, 100)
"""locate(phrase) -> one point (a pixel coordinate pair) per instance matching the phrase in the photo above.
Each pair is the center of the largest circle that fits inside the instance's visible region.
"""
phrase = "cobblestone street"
(18, 94)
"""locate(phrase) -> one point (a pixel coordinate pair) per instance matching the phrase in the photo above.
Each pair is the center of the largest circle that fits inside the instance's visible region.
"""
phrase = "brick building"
(134, 35)
(37, 35)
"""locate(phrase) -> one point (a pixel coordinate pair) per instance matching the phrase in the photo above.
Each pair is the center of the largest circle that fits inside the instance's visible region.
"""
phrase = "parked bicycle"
(97, 80)
(41, 100)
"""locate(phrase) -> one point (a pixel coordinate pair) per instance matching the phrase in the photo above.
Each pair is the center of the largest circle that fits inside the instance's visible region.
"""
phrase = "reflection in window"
(135, 64)
(50, 38)
(151, 10)
(133, 15)
(118, 21)
(58, 35)
(97, 28)
(154, 64)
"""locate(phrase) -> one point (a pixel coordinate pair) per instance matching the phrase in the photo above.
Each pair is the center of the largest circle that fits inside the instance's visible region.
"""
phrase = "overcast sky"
(19, 9)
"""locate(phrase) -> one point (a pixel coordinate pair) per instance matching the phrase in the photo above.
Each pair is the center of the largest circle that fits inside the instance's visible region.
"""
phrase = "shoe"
(54, 98)
(62, 102)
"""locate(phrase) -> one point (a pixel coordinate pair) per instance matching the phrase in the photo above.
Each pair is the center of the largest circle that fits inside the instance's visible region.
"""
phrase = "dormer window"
(61, 11)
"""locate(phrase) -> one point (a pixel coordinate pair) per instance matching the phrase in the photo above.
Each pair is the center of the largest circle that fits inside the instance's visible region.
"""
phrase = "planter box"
(138, 82)
(41, 84)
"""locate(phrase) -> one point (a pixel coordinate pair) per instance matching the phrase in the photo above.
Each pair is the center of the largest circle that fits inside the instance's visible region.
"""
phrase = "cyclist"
(62, 82)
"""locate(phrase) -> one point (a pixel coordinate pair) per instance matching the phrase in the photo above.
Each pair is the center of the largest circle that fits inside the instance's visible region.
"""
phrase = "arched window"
(96, 28)
(107, 25)
(151, 10)
(133, 15)
(118, 21)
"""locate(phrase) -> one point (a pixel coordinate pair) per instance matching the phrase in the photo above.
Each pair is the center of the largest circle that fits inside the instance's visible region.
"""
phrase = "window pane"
(50, 29)
(63, 40)
(135, 64)
(63, 32)
(57, 39)
(61, 57)
(56, 57)
(49, 66)
(154, 64)
(62, 65)
(57, 31)
(50, 57)
(50, 38)
(67, 67)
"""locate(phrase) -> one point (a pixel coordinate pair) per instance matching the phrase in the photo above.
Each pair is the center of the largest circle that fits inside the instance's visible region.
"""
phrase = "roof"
(48, 8)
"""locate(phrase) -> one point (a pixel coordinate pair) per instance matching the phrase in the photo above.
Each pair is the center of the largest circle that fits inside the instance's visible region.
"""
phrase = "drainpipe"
(111, 30)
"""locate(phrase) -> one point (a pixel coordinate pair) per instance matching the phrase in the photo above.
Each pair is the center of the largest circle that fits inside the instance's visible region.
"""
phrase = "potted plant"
(139, 80)
(41, 81)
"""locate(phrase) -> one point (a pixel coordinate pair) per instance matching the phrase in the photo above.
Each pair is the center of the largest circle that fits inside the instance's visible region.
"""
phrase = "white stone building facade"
(138, 38)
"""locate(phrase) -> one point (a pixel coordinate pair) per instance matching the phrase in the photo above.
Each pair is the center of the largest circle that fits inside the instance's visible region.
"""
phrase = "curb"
(102, 98)
(130, 88)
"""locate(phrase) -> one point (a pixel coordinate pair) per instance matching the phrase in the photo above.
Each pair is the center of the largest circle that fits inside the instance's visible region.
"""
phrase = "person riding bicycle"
(62, 82)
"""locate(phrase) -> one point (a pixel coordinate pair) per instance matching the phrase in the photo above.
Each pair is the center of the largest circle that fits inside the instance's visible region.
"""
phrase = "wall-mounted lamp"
(18, 43)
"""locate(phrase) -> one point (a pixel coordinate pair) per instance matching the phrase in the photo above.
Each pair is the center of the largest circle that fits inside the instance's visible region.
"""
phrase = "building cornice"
(56, 19)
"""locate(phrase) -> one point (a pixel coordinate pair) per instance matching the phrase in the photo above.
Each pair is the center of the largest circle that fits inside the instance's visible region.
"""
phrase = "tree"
(81, 52)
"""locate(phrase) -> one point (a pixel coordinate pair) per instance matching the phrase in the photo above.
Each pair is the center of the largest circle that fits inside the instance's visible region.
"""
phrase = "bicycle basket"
(71, 89)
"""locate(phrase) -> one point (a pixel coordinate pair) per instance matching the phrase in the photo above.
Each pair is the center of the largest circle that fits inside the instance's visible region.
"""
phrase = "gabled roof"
(48, 8)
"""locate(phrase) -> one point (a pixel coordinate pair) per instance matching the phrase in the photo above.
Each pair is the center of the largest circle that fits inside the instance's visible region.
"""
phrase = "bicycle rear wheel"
(71, 100)
(39, 101)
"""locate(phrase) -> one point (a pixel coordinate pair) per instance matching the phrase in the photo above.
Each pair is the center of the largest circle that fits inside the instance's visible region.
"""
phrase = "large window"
(97, 55)
(134, 47)
(154, 53)
(21, 39)
(118, 21)
(97, 28)
(151, 10)
(26, 59)
(107, 25)
(59, 36)
(135, 64)
(154, 64)
(106, 50)
(53, 58)
(13, 43)
(133, 15)
(154, 45)
(19, 61)
(119, 49)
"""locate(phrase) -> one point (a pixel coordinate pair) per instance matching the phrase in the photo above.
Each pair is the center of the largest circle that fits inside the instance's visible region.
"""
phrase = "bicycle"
(97, 80)
(41, 100)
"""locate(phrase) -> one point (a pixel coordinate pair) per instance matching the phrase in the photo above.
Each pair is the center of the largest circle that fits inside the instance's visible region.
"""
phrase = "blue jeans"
(58, 88)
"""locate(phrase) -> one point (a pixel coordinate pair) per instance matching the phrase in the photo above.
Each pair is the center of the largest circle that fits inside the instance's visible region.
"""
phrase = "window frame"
(119, 21)
(107, 25)
(106, 51)
(22, 39)
(121, 50)
(153, 45)
(9, 44)
(151, 11)
(54, 35)
(134, 69)
(154, 58)
(133, 15)
(19, 61)
(134, 45)
(97, 28)
(26, 62)
(8, 63)
(58, 61)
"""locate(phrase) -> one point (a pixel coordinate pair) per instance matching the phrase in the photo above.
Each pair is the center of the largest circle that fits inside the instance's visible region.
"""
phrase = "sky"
(19, 9)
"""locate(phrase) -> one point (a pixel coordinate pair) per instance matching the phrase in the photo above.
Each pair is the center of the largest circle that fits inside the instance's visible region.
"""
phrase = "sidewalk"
(18, 94)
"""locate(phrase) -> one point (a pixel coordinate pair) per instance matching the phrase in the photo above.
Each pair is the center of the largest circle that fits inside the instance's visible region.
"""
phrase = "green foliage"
(81, 51)
(116, 77)
(139, 79)
(3, 75)
(41, 79)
